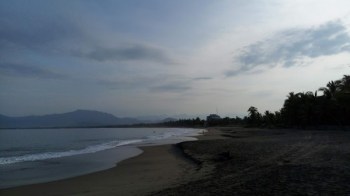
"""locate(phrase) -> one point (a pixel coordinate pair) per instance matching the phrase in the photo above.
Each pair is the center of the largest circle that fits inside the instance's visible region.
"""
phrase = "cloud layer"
(289, 47)
(131, 52)
(21, 70)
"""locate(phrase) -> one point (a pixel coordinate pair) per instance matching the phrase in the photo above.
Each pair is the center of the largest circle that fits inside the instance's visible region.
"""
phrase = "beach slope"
(159, 167)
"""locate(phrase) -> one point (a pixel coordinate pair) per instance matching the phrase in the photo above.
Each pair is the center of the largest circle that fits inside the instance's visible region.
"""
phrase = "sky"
(155, 57)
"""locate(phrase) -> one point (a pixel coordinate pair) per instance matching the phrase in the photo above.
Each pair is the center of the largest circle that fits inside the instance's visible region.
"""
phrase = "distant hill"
(168, 120)
(78, 118)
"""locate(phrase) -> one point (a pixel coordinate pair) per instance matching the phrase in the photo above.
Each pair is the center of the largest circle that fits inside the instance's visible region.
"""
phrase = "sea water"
(30, 156)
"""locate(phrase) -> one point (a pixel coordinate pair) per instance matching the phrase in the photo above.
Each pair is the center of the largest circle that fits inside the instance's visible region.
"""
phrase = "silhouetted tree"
(254, 118)
(309, 109)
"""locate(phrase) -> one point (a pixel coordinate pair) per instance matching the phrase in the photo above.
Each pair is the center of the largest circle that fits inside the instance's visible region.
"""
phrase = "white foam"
(177, 133)
(52, 155)
(174, 134)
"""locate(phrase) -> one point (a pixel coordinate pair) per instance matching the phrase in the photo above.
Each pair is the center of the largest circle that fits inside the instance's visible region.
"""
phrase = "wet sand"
(157, 168)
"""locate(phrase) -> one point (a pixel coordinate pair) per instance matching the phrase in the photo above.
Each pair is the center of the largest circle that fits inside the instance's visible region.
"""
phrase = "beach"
(224, 161)
(157, 168)
(270, 162)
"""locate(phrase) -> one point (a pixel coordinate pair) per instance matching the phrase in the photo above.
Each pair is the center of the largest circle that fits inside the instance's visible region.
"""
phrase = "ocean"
(29, 156)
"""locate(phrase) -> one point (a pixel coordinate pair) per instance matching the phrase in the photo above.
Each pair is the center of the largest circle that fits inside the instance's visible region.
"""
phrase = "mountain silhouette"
(78, 118)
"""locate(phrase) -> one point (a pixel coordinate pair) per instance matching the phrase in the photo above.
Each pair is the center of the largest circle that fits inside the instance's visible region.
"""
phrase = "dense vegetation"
(196, 122)
(309, 109)
(327, 106)
(330, 108)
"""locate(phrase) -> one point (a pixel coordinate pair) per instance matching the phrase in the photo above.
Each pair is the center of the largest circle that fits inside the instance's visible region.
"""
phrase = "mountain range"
(78, 118)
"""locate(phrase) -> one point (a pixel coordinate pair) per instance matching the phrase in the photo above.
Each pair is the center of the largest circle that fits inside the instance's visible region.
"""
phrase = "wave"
(175, 134)
(52, 155)
(178, 133)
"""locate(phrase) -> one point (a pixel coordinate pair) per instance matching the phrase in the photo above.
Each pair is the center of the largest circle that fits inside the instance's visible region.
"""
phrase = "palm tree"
(269, 118)
(252, 111)
(331, 89)
(254, 117)
(344, 84)
(290, 109)
(343, 100)
(307, 109)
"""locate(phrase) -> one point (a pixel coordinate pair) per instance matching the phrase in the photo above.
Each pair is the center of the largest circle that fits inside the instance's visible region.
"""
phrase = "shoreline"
(156, 168)
(225, 161)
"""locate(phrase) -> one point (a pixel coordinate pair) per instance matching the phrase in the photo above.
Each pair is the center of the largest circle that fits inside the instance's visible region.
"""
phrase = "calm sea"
(30, 156)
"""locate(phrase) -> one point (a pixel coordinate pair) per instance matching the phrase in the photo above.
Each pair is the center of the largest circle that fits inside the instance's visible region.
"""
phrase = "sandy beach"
(225, 161)
(157, 168)
(270, 162)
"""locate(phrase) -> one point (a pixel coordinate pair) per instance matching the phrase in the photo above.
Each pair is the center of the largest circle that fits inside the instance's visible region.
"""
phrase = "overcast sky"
(136, 57)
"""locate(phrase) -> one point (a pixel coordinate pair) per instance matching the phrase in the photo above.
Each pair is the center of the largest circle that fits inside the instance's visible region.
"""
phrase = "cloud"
(202, 78)
(60, 32)
(154, 83)
(128, 82)
(33, 29)
(170, 84)
(171, 87)
(11, 69)
(131, 52)
(289, 47)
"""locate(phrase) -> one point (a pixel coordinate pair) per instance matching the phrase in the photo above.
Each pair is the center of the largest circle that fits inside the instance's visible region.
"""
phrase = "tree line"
(309, 109)
(197, 122)
(327, 106)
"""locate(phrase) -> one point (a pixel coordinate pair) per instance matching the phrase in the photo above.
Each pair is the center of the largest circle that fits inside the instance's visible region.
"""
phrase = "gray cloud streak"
(57, 31)
(156, 84)
(171, 87)
(290, 46)
(11, 69)
(202, 78)
(127, 83)
(133, 52)
(36, 32)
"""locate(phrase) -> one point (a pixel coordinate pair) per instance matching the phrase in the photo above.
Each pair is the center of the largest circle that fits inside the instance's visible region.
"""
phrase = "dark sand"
(270, 162)
(234, 161)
